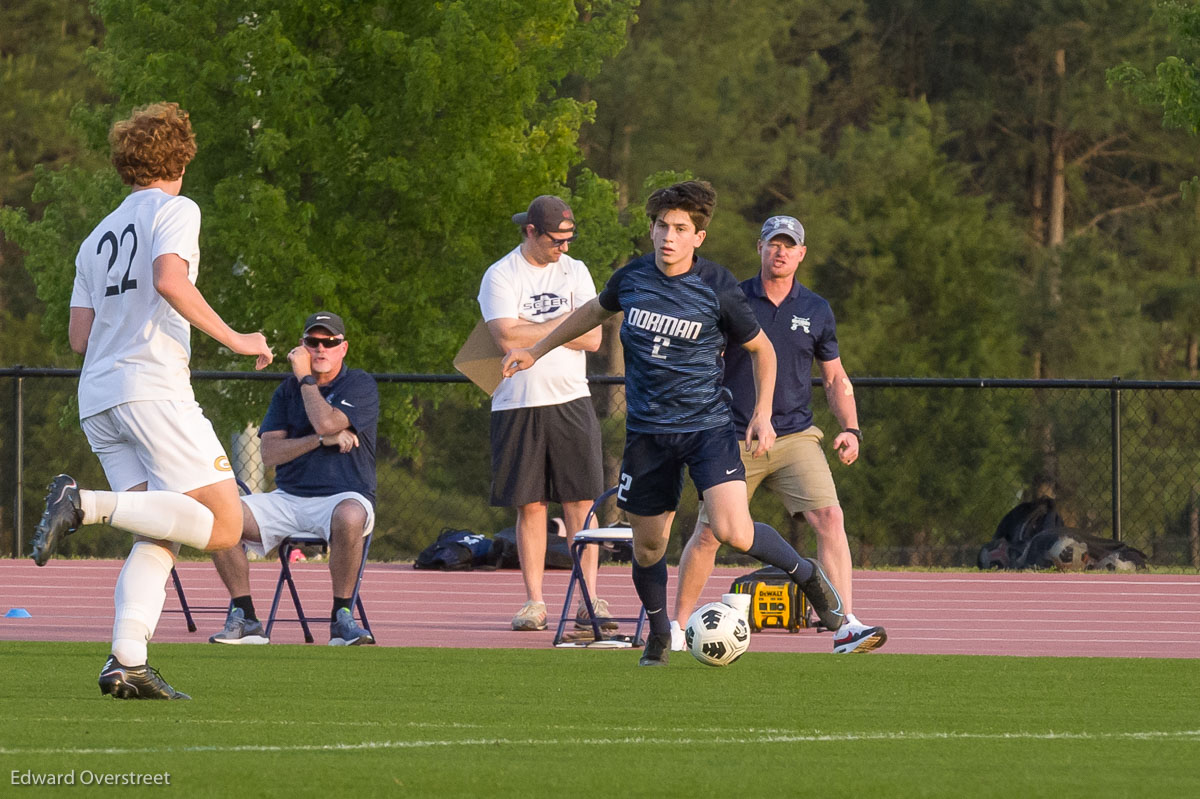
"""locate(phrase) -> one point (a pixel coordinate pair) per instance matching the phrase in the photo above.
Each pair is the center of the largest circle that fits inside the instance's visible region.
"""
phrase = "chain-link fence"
(942, 461)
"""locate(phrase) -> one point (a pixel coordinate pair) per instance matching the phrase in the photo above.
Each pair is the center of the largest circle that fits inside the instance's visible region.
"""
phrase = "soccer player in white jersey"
(132, 309)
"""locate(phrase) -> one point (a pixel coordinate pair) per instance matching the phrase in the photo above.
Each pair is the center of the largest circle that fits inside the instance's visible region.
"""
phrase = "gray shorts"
(550, 453)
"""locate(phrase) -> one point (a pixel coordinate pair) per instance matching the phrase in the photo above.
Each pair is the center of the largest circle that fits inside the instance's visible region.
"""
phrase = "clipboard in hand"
(479, 359)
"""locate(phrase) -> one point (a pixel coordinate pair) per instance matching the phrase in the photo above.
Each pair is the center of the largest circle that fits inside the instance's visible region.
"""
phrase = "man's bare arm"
(840, 394)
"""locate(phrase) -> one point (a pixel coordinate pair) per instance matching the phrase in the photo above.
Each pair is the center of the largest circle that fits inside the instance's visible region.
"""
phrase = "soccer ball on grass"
(717, 634)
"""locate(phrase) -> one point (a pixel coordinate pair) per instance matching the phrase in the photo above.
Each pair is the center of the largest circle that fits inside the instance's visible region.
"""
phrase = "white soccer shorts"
(280, 514)
(168, 444)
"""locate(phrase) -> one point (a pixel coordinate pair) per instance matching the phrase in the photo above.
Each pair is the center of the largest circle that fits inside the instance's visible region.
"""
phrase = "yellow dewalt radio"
(776, 603)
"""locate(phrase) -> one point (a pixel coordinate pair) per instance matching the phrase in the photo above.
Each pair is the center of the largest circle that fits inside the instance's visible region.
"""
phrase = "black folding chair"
(607, 538)
(286, 547)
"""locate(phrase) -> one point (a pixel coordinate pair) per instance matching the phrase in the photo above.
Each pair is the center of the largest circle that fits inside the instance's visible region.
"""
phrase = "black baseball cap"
(330, 321)
(548, 214)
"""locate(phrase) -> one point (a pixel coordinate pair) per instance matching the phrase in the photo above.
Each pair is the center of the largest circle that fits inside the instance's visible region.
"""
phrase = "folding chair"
(609, 538)
(187, 610)
(286, 547)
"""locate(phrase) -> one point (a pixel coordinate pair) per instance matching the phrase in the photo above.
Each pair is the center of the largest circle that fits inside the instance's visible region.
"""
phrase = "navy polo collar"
(754, 288)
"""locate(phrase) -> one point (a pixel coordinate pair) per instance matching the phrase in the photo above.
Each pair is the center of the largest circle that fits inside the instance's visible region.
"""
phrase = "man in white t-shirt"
(132, 309)
(545, 437)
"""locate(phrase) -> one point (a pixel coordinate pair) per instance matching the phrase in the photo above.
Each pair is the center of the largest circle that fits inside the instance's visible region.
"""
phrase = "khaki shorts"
(795, 468)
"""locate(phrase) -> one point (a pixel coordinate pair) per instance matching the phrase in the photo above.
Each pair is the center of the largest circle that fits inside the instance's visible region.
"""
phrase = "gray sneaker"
(603, 615)
(344, 631)
(240, 630)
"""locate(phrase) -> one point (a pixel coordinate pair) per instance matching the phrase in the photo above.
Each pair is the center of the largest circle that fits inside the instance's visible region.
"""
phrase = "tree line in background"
(990, 187)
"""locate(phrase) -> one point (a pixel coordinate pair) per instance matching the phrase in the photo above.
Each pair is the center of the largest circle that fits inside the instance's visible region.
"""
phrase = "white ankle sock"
(138, 599)
(162, 515)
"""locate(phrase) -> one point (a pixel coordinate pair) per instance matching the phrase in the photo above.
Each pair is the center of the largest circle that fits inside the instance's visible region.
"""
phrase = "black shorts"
(550, 453)
(652, 467)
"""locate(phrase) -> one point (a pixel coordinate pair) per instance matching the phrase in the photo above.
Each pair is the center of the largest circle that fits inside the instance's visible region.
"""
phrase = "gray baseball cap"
(783, 226)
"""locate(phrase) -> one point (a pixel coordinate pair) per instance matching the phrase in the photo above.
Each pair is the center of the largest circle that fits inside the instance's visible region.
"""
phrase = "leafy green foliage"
(364, 158)
(1175, 85)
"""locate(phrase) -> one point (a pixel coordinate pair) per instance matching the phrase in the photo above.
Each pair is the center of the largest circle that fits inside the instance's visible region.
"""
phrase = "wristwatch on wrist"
(320, 441)
(854, 431)
(308, 380)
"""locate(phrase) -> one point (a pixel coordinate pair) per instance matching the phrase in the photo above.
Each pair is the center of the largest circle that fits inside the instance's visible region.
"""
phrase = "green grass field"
(310, 720)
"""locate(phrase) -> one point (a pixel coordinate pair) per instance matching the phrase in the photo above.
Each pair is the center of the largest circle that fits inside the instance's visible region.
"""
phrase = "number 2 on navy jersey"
(660, 341)
(111, 238)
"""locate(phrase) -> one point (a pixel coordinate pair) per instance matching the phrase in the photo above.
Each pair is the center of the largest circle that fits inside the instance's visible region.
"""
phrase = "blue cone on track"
(18, 613)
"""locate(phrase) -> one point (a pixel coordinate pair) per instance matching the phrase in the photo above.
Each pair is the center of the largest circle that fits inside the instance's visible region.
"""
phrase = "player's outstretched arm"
(762, 358)
(171, 281)
(581, 321)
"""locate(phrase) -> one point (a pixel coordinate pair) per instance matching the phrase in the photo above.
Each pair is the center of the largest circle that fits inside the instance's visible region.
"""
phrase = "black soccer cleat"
(823, 597)
(61, 518)
(658, 650)
(135, 682)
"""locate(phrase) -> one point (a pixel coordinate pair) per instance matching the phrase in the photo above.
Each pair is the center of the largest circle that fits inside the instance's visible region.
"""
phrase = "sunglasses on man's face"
(312, 342)
(560, 243)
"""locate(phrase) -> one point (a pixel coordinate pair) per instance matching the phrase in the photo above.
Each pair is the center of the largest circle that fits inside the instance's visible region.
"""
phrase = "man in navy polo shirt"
(319, 434)
(800, 325)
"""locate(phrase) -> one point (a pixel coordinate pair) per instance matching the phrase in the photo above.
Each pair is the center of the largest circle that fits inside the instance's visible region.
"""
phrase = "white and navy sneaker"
(344, 631)
(854, 637)
(240, 630)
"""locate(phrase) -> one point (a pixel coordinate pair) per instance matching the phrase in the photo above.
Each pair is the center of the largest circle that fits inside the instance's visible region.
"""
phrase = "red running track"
(925, 613)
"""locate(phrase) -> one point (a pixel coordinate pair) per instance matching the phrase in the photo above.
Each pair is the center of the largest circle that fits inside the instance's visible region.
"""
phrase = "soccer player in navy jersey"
(681, 312)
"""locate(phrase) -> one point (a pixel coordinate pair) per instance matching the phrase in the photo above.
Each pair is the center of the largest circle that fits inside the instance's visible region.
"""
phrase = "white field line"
(638, 740)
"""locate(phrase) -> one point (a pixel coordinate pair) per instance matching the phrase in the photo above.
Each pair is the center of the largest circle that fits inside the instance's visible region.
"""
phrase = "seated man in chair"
(319, 434)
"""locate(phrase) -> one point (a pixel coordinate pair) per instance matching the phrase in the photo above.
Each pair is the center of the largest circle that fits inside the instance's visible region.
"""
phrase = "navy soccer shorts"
(652, 467)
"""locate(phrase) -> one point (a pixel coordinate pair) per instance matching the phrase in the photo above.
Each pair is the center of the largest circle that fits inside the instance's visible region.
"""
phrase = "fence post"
(18, 516)
(1115, 411)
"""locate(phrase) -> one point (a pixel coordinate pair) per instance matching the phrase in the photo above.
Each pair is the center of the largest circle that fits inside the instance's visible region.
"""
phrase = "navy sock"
(770, 548)
(651, 585)
(247, 606)
(339, 602)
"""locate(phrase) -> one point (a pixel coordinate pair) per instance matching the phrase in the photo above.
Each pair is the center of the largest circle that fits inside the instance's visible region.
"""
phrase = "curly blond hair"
(155, 143)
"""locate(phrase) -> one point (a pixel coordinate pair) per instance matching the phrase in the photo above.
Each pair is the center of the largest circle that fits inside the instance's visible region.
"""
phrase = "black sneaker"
(658, 650)
(135, 682)
(61, 518)
(823, 597)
